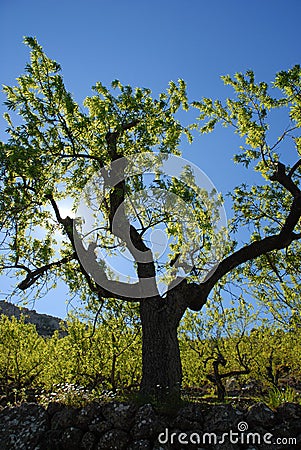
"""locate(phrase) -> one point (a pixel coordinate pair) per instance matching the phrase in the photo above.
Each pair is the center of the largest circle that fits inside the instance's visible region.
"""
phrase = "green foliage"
(218, 335)
(56, 149)
(106, 359)
(253, 113)
(247, 351)
(105, 364)
(58, 146)
(277, 397)
(248, 113)
(23, 355)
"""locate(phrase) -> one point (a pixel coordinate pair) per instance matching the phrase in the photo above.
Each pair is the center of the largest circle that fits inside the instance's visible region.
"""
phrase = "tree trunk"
(161, 362)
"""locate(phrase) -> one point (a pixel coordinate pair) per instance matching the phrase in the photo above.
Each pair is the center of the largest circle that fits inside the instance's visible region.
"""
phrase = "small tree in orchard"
(219, 338)
(100, 157)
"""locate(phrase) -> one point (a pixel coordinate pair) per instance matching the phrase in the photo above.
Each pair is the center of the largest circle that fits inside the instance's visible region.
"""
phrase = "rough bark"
(162, 370)
(161, 362)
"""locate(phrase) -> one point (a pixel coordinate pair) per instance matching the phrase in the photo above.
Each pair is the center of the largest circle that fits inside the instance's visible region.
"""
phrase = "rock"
(99, 426)
(218, 418)
(88, 414)
(45, 325)
(147, 424)
(227, 446)
(120, 415)
(51, 440)
(160, 447)
(289, 411)
(22, 426)
(189, 418)
(114, 440)
(88, 441)
(123, 426)
(64, 418)
(143, 444)
(260, 414)
(288, 416)
(71, 438)
(54, 407)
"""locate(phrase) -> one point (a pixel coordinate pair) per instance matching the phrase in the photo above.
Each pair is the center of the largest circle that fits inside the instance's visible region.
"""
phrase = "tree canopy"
(56, 147)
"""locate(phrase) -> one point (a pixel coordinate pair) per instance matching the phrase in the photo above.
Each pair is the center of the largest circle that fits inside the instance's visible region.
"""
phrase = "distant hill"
(45, 324)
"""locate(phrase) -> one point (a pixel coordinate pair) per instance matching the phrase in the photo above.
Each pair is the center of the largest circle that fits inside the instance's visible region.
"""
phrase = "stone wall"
(125, 426)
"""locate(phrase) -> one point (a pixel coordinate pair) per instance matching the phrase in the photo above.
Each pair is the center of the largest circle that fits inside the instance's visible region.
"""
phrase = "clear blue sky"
(145, 43)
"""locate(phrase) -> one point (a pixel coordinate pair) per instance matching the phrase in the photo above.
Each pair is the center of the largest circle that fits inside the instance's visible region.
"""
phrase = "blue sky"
(148, 44)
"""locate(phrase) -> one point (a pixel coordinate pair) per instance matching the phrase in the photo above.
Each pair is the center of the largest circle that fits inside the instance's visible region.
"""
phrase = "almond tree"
(55, 148)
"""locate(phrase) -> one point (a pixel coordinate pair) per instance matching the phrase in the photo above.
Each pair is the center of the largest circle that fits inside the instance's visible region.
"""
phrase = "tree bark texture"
(161, 362)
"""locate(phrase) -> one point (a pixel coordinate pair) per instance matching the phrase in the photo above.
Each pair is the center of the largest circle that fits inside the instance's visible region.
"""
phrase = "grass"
(277, 397)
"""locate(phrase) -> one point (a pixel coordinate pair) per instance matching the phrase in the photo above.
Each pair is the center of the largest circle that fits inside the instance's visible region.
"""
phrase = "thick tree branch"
(33, 276)
(105, 287)
(294, 168)
(112, 136)
(247, 253)
(251, 251)
(134, 241)
(128, 126)
(285, 180)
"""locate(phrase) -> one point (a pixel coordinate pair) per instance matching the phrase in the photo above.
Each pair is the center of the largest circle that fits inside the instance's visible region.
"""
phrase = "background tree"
(221, 338)
(56, 148)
